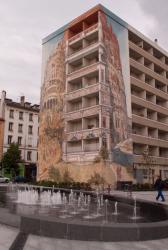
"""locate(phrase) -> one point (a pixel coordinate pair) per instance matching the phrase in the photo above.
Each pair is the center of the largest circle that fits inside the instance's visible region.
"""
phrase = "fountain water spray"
(115, 208)
(106, 210)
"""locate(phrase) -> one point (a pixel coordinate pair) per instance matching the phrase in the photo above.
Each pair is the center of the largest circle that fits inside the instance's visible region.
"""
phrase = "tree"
(54, 174)
(11, 159)
(149, 163)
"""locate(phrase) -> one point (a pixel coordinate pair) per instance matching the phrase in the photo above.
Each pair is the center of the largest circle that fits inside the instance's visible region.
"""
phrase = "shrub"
(67, 185)
(96, 179)
(54, 174)
(67, 177)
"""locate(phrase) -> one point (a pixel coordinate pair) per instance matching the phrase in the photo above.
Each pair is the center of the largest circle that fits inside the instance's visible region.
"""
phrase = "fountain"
(95, 215)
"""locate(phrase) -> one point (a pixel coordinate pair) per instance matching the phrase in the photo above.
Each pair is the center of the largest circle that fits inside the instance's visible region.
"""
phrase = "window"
(30, 141)
(30, 130)
(29, 153)
(30, 117)
(104, 122)
(102, 75)
(20, 115)
(10, 128)
(9, 139)
(20, 128)
(19, 140)
(20, 152)
(11, 113)
(117, 121)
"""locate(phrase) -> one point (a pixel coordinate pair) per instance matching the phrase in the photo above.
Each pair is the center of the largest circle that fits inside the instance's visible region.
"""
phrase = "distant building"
(19, 123)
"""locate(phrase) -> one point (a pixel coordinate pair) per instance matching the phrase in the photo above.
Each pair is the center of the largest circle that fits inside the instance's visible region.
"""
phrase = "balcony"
(151, 73)
(74, 126)
(84, 134)
(82, 113)
(91, 145)
(82, 92)
(82, 34)
(83, 82)
(158, 160)
(83, 71)
(88, 123)
(74, 146)
(147, 104)
(149, 141)
(91, 122)
(82, 52)
(80, 103)
(74, 105)
(149, 123)
(147, 55)
(86, 45)
(85, 61)
(158, 89)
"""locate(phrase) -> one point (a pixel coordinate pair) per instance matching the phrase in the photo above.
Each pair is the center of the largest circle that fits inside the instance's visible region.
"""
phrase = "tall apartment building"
(19, 124)
(104, 84)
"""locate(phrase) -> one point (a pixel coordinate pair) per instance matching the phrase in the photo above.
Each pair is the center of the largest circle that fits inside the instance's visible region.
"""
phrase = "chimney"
(22, 100)
(2, 104)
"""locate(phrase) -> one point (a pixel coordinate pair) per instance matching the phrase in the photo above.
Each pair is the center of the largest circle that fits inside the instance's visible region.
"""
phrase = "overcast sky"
(23, 24)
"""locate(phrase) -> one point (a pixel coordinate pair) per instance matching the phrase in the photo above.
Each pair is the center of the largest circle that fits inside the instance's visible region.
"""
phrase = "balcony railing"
(84, 134)
(81, 34)
(82, 92)
(89, 111)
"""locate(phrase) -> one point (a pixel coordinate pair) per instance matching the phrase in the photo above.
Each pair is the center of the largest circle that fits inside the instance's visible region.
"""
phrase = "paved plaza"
(8, 235)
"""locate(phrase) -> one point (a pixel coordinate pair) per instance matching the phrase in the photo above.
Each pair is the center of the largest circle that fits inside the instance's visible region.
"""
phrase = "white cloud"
(24, 23)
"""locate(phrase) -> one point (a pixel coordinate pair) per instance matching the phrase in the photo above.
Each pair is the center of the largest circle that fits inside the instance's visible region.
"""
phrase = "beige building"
(100, 77)
(149, 98)
(19, 123)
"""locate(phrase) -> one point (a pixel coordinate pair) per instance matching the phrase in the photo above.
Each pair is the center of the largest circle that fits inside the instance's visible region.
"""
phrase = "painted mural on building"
(120, 118)
(115, 107)
(51, 132)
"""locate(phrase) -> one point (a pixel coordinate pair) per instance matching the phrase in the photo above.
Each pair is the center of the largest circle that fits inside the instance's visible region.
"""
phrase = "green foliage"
(11, 159)
(67, 185)
(96, 179)
(54, 174)
(67, 177)
(104, 153)
(142, 187)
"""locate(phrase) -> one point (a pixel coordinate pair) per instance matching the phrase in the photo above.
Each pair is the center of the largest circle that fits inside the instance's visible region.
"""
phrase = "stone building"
(98, 76)
(19, 123)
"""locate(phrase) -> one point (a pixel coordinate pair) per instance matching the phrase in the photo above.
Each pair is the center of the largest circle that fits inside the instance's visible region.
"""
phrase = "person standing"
(159, 185)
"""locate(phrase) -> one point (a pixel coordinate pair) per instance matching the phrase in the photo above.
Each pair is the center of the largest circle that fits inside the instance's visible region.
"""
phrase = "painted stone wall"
(120, 126)
(51, 131)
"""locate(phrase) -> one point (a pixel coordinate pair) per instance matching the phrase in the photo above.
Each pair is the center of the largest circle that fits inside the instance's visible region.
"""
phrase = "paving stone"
(7, 236)
(44, 243)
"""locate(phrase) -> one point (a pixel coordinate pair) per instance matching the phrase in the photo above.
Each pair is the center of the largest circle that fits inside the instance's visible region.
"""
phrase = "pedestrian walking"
(159, 186)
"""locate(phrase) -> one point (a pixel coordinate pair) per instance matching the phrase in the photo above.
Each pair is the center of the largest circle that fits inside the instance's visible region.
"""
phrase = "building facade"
(20, 125)
(104, 85)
